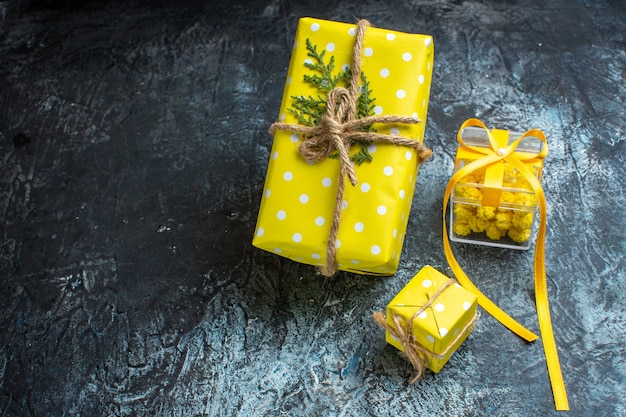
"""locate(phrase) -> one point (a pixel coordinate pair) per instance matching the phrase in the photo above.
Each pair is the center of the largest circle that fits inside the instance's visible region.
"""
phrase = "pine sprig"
(364, 107)
(309, 110)
(327, 81)
(365, 102)
(363, 155)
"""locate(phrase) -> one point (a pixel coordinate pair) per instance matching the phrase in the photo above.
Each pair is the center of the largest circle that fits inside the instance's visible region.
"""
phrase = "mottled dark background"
(133, 149)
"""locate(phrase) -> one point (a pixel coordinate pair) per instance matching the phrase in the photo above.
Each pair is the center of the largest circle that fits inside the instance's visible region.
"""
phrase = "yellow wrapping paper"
(297, 205)
(443, 326)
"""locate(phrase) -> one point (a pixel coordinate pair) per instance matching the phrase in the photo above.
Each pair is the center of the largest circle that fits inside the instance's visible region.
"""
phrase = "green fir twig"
(309, 110)
(327, 81)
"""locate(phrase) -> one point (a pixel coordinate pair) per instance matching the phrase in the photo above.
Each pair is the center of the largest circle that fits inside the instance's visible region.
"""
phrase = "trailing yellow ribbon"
(490, 156)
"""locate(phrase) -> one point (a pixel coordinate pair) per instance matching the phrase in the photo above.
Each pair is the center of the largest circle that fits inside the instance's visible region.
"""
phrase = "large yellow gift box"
(297, 208)
(429, 319)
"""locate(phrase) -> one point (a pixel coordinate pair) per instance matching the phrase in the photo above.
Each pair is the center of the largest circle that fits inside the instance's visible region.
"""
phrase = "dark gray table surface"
(133, 150)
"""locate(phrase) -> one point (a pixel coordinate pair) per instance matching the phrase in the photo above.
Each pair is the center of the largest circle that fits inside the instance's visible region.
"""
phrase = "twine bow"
(491, 156)
(336, 132)
(412, 349)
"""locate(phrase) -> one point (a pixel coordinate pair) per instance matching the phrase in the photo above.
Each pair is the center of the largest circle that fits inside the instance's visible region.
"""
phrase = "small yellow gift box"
(300, 207)
(429, 319)
(493, 203)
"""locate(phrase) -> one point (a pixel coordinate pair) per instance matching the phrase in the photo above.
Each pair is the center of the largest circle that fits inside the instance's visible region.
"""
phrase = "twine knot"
(333, 133)
(337, 130)
(416, 353)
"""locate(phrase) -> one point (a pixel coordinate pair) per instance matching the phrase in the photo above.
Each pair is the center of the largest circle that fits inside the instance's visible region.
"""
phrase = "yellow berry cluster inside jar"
(513, 218)
(509, 222)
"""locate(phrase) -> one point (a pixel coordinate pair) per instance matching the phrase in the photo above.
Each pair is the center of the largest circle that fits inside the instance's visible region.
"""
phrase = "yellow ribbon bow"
(490, 156)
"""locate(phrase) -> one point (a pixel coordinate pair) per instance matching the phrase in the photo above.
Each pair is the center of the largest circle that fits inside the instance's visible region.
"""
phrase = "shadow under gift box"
(495, 205)
(296, 209)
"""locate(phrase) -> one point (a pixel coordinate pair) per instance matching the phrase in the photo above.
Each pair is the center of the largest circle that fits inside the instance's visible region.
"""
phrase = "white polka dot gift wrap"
(444, 325)
(296, 209)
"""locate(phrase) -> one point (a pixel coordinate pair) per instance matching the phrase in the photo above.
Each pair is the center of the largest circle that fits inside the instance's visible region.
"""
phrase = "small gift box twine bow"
(415, 352)
(336, 132)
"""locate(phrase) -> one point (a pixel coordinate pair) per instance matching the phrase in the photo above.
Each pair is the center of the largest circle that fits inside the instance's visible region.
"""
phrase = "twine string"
(414, 351)
(336, 132)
